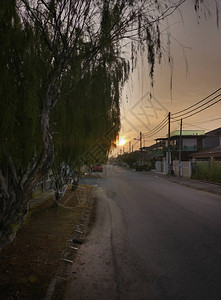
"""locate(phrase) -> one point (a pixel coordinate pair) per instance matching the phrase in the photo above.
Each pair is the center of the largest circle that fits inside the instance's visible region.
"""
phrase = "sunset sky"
(201, 45)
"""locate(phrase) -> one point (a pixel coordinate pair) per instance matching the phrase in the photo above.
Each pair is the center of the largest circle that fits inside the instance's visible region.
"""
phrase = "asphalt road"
(152, 239)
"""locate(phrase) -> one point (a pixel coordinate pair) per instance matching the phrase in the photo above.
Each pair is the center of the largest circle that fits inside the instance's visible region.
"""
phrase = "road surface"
(151, 239)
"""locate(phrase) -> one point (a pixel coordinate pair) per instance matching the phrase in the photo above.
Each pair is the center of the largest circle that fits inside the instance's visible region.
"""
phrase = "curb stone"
(58, 284)
(194, 186)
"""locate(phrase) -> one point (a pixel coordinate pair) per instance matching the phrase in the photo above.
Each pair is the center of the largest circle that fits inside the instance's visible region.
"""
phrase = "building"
(191, 142)
(211, 146)
(210, 154)
(212, 139)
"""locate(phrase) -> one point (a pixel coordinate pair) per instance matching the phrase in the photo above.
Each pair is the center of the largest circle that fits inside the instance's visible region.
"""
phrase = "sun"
(121, 141)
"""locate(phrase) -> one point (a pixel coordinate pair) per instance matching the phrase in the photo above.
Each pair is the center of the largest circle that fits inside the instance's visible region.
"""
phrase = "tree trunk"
(58, 190)
(16, 199)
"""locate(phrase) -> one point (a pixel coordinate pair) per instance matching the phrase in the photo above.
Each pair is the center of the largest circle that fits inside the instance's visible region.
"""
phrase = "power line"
(206, 121)
(197, 102)
(196, 126)
(195, 109)
(185, 117)
(154, 133)
(157, 127)
(188, 113)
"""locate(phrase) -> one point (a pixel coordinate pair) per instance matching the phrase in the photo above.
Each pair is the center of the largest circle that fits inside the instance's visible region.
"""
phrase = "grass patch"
(208, 170)
(30, 262)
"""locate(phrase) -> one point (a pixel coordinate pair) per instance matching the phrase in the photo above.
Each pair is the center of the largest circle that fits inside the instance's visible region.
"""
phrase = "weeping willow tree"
(22, 73)
(87, 118)
(49, 49)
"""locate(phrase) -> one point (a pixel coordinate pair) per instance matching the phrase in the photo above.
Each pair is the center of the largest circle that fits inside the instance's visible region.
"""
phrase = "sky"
(196, 52)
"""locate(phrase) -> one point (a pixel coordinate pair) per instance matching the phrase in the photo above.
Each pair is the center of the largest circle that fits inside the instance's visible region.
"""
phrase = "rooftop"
(215, 132)
(212, 152)
(187, 132)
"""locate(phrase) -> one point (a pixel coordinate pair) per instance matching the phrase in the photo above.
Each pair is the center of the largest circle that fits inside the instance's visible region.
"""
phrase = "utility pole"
(169, 170)
(132, 148)
(180, 147)
(129, 146)
(140, 141)
(141, 154)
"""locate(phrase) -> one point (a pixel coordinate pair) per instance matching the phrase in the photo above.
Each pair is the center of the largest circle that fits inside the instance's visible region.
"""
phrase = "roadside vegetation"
(30, 262)
(63, 66)
(134, 161)
(207, 170)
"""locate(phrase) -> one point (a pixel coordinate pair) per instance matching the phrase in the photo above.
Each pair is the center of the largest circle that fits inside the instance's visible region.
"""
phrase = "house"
(212, 139)
(211, 146)
(191, 141)
(156, 151)
(210, 154)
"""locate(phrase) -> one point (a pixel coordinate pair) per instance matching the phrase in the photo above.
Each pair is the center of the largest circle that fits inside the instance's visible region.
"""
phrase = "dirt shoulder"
(29, 264)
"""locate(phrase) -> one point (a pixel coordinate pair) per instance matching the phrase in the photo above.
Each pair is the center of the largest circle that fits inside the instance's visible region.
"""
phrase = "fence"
(185, 169)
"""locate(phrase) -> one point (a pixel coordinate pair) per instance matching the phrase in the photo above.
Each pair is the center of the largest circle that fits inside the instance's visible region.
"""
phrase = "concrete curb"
(58, 284)
(195, 184)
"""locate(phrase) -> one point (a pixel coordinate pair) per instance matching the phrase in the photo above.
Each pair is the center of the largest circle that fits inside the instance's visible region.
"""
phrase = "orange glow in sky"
(121, 141)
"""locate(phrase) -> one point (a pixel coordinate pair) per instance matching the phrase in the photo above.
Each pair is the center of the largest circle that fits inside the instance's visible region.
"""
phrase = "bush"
(143, 168)
(208, 170)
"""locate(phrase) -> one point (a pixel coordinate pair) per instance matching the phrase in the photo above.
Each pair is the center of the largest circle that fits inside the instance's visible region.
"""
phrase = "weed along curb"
(58, 284)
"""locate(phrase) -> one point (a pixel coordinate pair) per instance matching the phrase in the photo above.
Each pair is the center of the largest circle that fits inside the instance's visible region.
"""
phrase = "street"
(151, 239)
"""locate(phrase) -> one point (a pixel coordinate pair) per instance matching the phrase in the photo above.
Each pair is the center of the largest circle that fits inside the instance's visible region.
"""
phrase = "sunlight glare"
(121, 141)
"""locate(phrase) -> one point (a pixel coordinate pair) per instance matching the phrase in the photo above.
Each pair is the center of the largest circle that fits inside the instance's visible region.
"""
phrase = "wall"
(159, 166)
(211, 142)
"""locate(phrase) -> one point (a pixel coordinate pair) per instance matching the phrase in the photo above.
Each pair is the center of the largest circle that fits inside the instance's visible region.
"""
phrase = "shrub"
(143, 168)
(208, 170)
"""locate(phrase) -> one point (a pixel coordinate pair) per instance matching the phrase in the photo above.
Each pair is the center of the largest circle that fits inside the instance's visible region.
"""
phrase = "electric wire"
(154, 133)
(195, 109)
(205, 121)
(194, 125)
(195, 113)
(188, 113)
(197, 102)
(157, 127)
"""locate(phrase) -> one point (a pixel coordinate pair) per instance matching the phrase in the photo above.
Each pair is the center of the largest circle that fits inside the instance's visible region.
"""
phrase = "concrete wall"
(159, 166)
(211, 142)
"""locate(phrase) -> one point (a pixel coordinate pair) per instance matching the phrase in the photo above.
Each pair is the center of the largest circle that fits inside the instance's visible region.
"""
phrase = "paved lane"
(164, 239)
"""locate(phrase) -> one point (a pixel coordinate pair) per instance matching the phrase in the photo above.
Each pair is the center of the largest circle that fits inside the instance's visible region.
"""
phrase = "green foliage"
(20, 77)
(207, 170)
(91, 114)
(130, 158)
(69, 58)
(143, 168)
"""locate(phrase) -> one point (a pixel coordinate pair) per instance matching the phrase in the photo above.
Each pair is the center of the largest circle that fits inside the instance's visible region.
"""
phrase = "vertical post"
(169, 170)
(129, 146)
(132, 148)
(180, 147)
(141, 141)
(141, 154)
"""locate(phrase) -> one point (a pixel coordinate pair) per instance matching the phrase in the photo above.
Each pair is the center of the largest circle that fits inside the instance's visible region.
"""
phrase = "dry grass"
(30, 262)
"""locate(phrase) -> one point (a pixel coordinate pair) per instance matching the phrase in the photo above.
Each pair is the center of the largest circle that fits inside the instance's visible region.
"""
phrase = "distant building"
(191, 142)
(210, 154)
(211, 146)
(212, 139)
